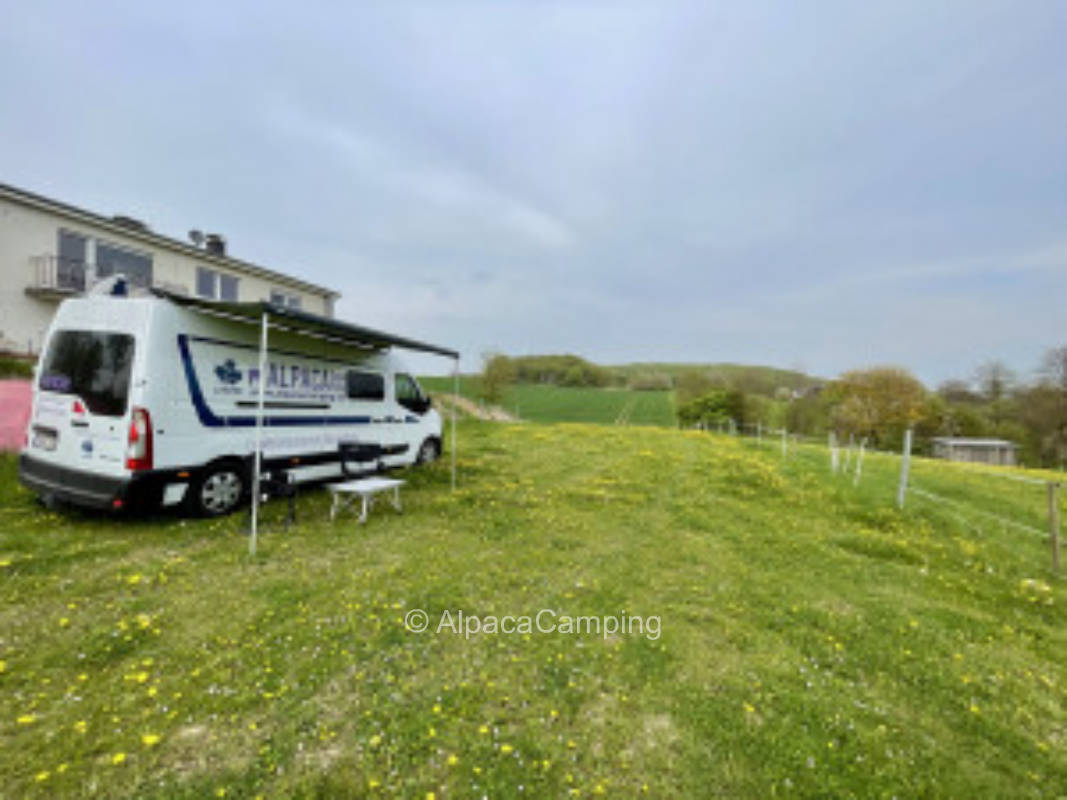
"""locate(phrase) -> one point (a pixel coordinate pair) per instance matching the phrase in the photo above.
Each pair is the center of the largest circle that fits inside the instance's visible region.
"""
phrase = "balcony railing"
(58, 275)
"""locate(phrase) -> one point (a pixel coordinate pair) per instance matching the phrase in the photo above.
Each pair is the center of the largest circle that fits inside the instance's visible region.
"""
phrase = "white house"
(50, 250)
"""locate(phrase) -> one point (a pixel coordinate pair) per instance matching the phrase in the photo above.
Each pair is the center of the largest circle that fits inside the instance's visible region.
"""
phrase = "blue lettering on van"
(210, 419)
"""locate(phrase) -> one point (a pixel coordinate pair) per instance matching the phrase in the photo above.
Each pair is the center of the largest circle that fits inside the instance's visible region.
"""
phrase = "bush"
(11, 367)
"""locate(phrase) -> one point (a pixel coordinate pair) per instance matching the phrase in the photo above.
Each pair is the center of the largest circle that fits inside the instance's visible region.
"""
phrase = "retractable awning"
(304, 322)
(267, 315)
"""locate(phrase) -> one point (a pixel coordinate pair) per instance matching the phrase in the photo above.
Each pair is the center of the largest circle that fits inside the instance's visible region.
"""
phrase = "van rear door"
(83, 395)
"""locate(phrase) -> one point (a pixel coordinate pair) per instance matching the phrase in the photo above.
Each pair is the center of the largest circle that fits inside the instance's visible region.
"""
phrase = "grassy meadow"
(813, 640)
(548, 403)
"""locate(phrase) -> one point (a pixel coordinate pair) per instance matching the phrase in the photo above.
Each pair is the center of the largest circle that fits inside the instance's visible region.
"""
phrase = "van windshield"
(91, 365)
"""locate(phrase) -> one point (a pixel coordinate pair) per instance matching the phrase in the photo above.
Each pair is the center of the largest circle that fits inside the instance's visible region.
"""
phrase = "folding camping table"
(345, 494)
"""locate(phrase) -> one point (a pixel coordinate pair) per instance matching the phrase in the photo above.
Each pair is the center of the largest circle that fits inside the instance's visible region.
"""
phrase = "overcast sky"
(816, 185)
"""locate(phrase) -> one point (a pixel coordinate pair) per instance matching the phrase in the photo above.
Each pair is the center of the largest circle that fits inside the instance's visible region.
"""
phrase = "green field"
(812, 640)
(546, 403)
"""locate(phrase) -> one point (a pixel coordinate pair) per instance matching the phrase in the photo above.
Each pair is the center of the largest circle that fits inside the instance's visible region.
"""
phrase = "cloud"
(831, 184)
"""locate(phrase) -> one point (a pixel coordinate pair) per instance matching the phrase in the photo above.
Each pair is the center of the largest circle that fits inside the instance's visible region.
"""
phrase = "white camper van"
(155, 400)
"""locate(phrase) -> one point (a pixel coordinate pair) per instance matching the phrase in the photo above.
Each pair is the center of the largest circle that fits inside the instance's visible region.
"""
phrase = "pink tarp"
(16, 397)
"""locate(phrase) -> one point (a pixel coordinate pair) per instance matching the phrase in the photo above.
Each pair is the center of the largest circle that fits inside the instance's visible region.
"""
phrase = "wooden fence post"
(833, 452)
(905, 461)
(1054, 523)
(859, 462)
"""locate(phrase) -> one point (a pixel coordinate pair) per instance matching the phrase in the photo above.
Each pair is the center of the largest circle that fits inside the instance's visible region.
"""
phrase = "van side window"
(408, 393)
(365, 385)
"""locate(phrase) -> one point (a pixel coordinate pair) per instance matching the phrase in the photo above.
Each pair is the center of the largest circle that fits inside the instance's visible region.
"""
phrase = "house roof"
(303, 322)
(963, 441)
(150, 237)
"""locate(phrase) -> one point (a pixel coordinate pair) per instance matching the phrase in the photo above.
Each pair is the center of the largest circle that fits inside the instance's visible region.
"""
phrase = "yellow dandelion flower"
(43, 775)
(3, 665)
(134, 579)
(64, 622)
(483, 729)
(436, 708)
(375, 740)
(118, 758)
(61, 768)
(506, 749)
(749, 708)
(81, 726)
(372, 784)
(27, 719)
(452, 760)
(431, 796)
(150, 739)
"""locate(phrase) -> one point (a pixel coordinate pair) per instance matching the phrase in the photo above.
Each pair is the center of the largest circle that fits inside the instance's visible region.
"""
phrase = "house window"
(70, 261)
(228, 288)
(215, 285)
(284, 299)
(112, 260)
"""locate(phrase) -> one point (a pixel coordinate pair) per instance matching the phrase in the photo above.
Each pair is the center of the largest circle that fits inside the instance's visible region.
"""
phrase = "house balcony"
(56, 278)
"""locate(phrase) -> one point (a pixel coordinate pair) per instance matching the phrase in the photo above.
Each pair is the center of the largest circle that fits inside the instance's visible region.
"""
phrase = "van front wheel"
(429, 452)
(218, 490)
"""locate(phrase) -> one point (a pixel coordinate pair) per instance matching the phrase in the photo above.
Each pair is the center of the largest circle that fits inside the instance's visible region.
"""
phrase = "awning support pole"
(455, 402)
(259, 431)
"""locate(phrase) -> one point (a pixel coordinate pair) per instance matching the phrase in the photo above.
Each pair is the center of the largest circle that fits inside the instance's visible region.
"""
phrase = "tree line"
(880, 403)
(877, 403)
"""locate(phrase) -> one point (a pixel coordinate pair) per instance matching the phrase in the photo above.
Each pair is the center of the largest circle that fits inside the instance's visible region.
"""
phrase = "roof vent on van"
(215, 244)
(132, 223)
(114, 286)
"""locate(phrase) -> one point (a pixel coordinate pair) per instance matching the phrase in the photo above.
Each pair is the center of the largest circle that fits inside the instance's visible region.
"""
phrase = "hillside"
(547, 403)
(799, 636)
(757, 379)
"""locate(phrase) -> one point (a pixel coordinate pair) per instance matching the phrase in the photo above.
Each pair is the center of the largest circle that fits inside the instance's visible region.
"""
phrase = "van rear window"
(91, 365)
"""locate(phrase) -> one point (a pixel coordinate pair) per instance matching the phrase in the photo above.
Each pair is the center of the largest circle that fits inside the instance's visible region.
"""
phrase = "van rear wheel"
(218, 490)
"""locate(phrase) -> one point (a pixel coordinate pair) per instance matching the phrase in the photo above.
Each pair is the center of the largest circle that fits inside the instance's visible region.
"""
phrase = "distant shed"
(979, 451)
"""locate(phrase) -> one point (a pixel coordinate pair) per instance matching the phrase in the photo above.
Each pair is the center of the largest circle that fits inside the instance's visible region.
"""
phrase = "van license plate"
(44, 441)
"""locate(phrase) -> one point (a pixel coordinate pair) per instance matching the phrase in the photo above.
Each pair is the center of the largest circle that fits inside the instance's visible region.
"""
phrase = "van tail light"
(139, 440)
